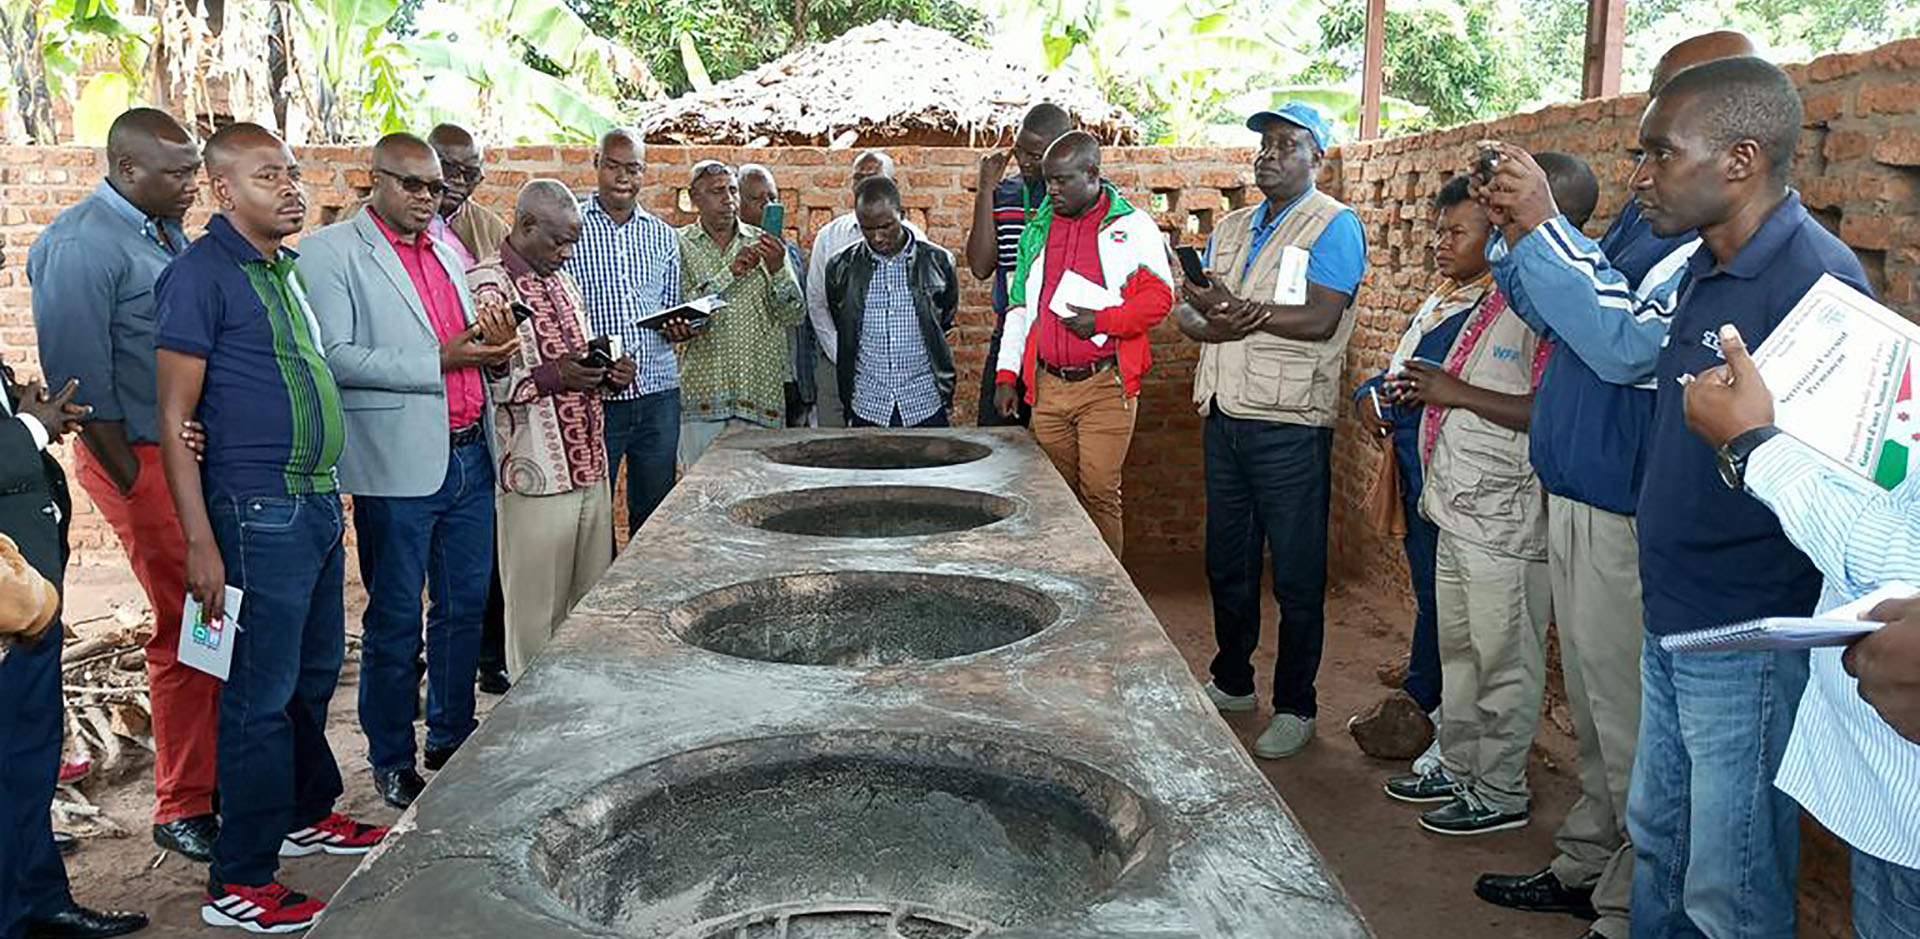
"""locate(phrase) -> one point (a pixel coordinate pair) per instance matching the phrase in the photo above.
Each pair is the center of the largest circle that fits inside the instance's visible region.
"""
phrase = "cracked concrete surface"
(1088, 742)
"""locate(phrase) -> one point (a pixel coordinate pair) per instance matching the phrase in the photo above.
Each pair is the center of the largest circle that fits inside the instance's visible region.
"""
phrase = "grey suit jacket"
(384, 356)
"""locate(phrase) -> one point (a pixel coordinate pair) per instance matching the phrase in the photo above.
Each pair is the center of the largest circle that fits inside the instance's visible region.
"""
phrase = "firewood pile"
(103, 678)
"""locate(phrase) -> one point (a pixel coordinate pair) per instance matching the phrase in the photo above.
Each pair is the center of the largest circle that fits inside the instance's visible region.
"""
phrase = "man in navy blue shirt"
(1716, 847)
(1607, 306)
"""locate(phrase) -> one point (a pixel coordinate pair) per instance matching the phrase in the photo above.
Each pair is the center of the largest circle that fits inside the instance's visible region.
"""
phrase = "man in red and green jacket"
(1081, 365)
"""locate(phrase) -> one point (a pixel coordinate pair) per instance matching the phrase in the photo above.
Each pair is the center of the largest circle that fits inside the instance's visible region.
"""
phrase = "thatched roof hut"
(885, 83)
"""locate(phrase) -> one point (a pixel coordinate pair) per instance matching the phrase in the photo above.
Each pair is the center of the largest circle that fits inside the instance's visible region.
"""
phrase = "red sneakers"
(267, 909)
(335, 834)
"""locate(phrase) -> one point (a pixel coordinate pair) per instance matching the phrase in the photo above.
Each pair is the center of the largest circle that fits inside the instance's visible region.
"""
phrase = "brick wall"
(1859, 171)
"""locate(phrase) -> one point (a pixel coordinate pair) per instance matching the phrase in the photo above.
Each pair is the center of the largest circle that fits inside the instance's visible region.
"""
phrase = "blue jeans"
(1423, 659)
(1267, 487)
(1716, 847)
(445, 542)
(33, 879)
(645, 433)
(1886, 899)
(276, 771)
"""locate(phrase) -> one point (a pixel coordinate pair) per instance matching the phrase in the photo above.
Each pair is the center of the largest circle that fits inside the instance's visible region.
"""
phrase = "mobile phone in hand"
(774, 220)
(1484, 164)
(598, 353)
(1190, 264)
(521, 312)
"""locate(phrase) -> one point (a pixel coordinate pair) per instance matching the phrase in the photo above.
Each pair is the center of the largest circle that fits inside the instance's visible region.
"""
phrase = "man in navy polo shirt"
(239, 350)
(1716, 847)
(1607, 305)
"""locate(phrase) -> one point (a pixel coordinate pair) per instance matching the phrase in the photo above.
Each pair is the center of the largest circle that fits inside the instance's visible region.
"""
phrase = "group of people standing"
(465, 378)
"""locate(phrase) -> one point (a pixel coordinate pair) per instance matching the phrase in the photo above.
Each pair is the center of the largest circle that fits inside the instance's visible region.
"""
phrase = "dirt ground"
(1408, 883)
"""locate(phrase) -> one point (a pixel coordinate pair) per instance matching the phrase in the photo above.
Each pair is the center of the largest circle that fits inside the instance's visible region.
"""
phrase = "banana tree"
(356, 69)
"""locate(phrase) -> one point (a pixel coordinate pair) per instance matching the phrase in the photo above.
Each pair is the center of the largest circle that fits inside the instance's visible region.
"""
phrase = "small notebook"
(1838, 627)
(696, 312)
(207, 644)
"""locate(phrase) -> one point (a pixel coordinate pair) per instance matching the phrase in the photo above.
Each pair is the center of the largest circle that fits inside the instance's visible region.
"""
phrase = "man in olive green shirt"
(733, 375)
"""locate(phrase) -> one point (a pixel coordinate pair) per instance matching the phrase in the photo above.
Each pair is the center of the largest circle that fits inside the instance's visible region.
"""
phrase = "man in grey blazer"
(406, 350)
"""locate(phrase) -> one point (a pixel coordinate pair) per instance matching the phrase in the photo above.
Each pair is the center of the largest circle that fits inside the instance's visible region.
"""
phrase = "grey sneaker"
(1231, 703)
(1287, 735)
(1436, 786)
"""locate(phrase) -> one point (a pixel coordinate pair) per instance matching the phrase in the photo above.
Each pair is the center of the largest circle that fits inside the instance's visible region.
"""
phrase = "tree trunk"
(799, 24)
(21, 35)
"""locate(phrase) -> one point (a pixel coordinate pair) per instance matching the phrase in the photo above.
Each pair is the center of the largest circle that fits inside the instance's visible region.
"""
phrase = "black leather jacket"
(936, 295)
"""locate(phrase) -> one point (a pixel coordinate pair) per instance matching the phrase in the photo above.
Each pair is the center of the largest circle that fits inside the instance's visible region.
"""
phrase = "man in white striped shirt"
(1853, 760)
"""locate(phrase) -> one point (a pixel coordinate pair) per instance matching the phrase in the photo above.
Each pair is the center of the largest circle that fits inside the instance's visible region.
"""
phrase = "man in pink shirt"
(407, 352)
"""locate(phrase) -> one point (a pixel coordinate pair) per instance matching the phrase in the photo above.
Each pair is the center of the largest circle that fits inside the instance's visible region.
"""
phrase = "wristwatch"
(1733, 456)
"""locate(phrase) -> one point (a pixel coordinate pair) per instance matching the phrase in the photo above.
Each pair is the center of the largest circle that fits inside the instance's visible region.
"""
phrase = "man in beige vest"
(1275, 318)
(1490, 561)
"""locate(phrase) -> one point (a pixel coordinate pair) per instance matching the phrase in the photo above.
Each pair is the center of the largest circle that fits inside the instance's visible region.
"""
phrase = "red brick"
(1889, 97)
(1898, 148)
(1845, 145)
(1824, 107)
(1839, 65)
(1867, 232)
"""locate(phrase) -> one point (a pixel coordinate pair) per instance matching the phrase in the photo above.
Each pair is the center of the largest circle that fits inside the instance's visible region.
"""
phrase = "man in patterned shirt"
(627, 265)
(733, 375)
(553, 457)
(239, 351)
(892, 298)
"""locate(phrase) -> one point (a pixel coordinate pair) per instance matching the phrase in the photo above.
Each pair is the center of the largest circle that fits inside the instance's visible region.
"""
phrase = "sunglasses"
(414, 185)
(462, 172)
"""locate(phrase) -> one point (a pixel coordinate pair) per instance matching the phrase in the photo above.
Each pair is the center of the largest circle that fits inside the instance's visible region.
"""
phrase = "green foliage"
(1457, 62)
(690, 43)
(73, 32)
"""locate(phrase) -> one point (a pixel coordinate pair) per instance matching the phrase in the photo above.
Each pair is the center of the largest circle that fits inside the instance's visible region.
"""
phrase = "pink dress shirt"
(466, 389)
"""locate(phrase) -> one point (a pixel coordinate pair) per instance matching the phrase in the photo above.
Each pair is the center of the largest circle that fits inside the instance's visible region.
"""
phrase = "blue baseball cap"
(1299, 114)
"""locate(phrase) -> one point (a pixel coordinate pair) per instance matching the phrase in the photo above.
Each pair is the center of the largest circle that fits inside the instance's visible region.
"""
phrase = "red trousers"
(186, 716)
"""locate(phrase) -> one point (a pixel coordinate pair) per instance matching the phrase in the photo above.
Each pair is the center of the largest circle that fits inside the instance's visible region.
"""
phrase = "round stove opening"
(879, 452)
(856, 836)
(874, 511)
(862, 619)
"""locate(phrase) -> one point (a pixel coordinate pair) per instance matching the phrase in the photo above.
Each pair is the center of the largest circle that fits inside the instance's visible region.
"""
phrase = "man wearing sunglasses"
(407, 351)
(474, 228)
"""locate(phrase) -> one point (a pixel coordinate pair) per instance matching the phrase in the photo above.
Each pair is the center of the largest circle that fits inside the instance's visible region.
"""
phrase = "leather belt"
(466, 435)
(1077, 373)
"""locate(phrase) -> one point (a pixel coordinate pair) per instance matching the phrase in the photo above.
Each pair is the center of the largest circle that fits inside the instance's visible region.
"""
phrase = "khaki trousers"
(1493, 611)
(1085, 427)
(553, 549)
(1593, 562)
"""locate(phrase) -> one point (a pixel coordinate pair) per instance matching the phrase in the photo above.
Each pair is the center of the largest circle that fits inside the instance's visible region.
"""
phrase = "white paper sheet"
(1838, 367)
(1290, 287)
(1082, 293)
(208, 646)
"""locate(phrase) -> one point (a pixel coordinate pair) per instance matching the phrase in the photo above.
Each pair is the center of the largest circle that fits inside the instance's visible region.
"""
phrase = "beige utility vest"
(1264, 377)
(1480, 485)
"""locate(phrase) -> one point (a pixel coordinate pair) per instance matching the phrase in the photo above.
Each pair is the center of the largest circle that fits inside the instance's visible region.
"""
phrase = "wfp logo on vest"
(1506, 353)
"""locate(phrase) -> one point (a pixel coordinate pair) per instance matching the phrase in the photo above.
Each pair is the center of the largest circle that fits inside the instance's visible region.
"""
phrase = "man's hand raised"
(993, 167)
(1518, 197)
(469, 350)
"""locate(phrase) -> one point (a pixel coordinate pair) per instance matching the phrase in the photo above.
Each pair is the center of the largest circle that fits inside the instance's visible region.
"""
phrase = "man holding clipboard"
(1853, 759)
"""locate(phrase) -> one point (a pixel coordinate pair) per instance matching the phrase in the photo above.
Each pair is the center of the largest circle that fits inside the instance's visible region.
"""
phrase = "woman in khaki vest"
(1490, 571)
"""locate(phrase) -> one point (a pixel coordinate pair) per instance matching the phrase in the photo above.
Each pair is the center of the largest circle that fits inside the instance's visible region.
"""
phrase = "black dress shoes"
(433, 757)
(78, 922)
(65, 844)
(1535, 893)
(398, 786)
(192, 837)
(493, 679)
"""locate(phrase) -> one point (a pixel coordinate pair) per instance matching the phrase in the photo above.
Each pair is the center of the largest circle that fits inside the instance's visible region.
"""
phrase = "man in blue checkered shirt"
(892, 297)
(628, 265)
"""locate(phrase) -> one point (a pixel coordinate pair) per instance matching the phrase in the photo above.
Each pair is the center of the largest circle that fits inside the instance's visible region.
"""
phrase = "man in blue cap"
(1274, 319)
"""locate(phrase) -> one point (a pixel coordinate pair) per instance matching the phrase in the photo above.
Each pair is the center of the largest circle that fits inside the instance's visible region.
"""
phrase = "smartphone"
(1484, 165)
(597, 353)
(1191, 265)
(521, 312)
(774, 221)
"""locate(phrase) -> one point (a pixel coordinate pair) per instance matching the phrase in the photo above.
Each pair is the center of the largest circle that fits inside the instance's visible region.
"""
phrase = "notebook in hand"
(696, 312)
(1838, 627)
